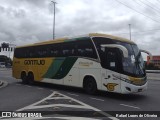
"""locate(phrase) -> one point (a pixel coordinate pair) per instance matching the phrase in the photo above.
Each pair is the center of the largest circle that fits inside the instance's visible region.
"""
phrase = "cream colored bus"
(93, 62)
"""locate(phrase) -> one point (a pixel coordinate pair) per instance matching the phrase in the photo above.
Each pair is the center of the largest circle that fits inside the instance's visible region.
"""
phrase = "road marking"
(92, 108)
(57, 98)
(18, 84)
(80, 104)
(40, 88)
(72, 94)
(56, 105)
(37, 102)
(113, 118)
(97, 99)
(52, 90)
(130, 106)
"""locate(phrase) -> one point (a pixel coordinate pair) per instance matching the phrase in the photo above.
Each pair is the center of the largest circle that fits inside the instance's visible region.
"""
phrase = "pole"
(130, 31)
(11, 46)
(54, 19)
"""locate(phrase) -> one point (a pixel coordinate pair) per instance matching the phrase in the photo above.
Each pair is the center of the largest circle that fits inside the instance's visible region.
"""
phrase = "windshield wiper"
(137, 57)
(137, 63)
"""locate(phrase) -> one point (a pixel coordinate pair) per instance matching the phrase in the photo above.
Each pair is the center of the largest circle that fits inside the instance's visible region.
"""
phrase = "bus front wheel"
(90, 85)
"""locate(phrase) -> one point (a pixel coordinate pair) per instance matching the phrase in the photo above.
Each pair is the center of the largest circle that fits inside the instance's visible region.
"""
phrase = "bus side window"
(31, 52)
(89, 52)
(65, 49)
(55, 50)
(85, 48)
(26, 53)
(68, 49)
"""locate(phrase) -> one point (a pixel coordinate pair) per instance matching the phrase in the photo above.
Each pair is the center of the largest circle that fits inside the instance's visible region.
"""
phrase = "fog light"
(129, 89)
(139, 90)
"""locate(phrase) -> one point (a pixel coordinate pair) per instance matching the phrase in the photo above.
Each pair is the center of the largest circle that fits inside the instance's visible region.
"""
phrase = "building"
(155, 60)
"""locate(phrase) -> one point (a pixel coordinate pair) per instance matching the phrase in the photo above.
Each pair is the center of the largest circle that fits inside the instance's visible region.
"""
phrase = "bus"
(94, 62)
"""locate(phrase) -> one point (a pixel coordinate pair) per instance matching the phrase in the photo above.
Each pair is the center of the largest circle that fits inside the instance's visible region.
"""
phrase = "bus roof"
(111, 37)
(65, 39)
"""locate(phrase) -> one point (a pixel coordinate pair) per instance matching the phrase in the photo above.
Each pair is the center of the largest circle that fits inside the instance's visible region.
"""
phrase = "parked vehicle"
(2, 65)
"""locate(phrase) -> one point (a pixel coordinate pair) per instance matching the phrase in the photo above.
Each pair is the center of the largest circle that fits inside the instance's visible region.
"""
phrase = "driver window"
(113, 61)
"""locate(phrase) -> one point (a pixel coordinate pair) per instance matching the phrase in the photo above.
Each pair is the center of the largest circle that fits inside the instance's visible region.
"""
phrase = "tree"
(5, 59)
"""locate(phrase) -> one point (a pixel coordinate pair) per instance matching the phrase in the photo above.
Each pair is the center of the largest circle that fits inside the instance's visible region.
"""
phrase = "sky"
(29, 21)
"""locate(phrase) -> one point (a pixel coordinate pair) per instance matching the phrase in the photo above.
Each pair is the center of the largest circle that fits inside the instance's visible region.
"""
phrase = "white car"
(2, 65)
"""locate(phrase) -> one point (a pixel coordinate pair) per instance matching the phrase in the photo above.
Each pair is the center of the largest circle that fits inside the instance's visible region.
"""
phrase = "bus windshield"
(134, 64)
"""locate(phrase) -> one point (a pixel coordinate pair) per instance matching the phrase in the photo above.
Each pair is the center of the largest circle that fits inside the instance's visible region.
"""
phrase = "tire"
(24, 78)
(30, 78)
(90, 85)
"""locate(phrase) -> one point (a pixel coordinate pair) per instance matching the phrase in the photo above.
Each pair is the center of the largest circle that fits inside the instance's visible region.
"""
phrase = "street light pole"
(130, 31)
(54, 3)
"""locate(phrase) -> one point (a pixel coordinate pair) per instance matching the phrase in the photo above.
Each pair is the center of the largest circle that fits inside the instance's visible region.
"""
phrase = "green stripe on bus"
(54, 67)
(65, 67)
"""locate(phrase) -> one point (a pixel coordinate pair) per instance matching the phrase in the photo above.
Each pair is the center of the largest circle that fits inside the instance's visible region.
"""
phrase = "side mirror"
(150, 55)
(122, 48)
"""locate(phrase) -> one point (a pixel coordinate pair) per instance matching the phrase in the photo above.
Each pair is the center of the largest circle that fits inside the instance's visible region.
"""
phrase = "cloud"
(30, 21)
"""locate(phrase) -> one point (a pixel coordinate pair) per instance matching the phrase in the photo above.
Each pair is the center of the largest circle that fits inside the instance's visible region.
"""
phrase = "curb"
(153, 79)
(4, 69)
(3, 84)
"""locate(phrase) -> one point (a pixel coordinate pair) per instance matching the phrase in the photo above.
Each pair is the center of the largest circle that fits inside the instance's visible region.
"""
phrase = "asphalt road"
(48, 97)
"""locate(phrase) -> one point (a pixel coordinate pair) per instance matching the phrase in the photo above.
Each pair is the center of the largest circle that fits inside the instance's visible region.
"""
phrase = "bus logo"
(34, 62)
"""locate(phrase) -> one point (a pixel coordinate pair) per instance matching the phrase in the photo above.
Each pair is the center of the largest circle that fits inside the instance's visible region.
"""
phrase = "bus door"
(111, 74)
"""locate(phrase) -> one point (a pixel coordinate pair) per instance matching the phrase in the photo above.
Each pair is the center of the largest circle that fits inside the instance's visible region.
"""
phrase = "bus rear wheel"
(24, 78)
(30, 78)
(90, 85)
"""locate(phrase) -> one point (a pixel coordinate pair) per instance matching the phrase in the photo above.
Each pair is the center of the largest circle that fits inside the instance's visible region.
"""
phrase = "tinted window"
(85, 48)
(81, 47)
(68, 49)
(55, 50)
(100, 41)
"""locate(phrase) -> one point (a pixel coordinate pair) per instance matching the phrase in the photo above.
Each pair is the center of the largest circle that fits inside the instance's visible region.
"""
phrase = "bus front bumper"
(127, 88)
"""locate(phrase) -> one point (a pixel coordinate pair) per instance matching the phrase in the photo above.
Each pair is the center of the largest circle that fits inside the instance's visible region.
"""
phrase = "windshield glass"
(134, 64)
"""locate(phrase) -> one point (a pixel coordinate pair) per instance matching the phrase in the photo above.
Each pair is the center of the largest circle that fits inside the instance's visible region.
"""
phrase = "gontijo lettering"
(34, 62)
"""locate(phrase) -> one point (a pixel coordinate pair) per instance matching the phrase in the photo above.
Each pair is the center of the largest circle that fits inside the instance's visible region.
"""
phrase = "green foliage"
(5, 59)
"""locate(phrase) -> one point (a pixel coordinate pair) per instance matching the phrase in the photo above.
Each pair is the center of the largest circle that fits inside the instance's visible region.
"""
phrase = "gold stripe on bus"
(59, 40)
(137, 80)
(111, 36)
